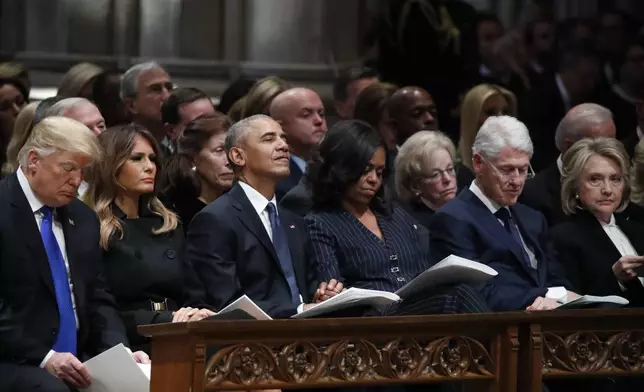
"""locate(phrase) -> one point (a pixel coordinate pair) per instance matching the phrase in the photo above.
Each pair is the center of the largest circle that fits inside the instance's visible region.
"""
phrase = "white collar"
(536, 67)
(560, 165)
(492, 205)
(617, 89)
(484, 70)
(640, 134)
(301, 163)
(609, 224)
(258, 200)
(564, 93)
(34, 203)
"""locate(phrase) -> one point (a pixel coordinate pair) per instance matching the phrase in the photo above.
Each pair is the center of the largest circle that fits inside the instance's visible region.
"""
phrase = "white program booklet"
(349, 298)
(451, 270)
(586, 300)
(247, 305)
(116, 371)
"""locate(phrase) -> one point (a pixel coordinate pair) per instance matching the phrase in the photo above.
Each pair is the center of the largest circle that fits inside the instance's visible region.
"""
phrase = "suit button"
(393, 257)
(170, 254)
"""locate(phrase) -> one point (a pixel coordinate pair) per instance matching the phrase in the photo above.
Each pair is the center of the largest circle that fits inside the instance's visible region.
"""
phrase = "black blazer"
(142, 267)
(29, 319)
(464, 176)
(588, 254)
(232, 254)
(298, 199)
(543, 193)
(630, 143)
(290, 182)
(420, 212)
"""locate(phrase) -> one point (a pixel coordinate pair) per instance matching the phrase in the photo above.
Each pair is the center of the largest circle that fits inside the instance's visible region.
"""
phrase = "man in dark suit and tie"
(300, 113)
(485, 223)
(543, 192)
(242, 243)
(54, 309)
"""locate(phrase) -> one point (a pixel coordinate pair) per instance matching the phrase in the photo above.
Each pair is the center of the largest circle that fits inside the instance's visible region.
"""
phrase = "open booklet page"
(350, 298)
(590, 300)
(451, 270)
(115, 370)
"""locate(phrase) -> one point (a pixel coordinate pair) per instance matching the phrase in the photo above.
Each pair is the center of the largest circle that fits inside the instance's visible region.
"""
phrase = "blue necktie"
(506, 217)
(280, 242)
(66, 339)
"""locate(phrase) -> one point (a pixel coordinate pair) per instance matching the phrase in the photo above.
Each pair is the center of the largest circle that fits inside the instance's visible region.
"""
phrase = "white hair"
(501, 131)
(61, 107)
(578, 121)
(130, 79)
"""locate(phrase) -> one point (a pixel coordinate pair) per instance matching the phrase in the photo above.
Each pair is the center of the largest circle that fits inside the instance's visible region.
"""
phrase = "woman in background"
(21, 132)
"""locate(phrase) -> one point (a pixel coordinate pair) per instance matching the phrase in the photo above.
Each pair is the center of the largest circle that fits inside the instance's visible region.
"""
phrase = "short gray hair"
(578, 121)
(63, 106)
(130, 79)
(501, 131)
(238, 131)
(56, 134)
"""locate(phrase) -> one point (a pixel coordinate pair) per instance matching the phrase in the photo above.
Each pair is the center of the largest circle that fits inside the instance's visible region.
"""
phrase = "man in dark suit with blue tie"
(486, 224)
(54, 309)
(242, 243)
(300, 113)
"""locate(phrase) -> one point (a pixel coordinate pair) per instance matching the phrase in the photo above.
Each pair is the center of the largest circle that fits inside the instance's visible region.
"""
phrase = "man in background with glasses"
(485, 224)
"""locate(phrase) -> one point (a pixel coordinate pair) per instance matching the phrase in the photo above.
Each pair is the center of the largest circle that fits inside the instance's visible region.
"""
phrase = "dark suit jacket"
(541, 108)
(630, 143)
(232, 254)
(588, 254)
(464, 176)
(465, 227)
(29, 319)
(298, 199)
(290, 182)
(420, 212)
(142, 267)
(543, 193)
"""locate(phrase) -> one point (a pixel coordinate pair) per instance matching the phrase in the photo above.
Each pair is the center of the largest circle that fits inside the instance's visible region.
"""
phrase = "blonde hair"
(76, 78)
(55, 134)
(637, 174)
(104, 188)
(470, 112)
(413, 157)
(576, 159)
(21, 132)
(259, 98)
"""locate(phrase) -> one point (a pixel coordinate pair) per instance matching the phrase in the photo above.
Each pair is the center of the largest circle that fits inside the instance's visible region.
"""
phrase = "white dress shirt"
(640, 134)
(259, 203)
(558, 293)
(621, 242)
(560, 164)
(59, 234)
(565, 96)
(301, 163)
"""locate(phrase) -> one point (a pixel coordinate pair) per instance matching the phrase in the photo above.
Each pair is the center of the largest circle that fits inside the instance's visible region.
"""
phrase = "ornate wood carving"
(588, 352)
(348, 361)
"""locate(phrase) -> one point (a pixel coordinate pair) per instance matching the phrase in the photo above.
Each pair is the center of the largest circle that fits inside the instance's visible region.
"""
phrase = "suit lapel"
(249, 218)
(293, 237)
(71, 249)
(27, 231)
(541, 272)
(633, 232)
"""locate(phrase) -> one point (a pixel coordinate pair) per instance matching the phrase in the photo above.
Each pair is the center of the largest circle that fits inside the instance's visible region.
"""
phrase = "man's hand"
(625, 268)
(67, 367)
(327, 290)
(191, 314)
(140, 357)
(542, 303)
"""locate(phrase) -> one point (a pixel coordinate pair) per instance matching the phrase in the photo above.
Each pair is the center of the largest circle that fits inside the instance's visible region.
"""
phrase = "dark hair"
(235, 91)
(528, 31)
(43, 107)
(180, 96)
(180, 181)
(372, 103)
(340, 161)
(348, 76)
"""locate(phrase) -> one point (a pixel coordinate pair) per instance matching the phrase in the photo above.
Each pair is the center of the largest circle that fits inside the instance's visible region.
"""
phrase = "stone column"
(159, 28)
(89, 26)
(45, 28)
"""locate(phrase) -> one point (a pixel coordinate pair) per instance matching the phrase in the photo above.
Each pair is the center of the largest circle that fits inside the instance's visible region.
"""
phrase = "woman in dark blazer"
(600, 250)
(425, 174)
(142, 239)
(357, 236)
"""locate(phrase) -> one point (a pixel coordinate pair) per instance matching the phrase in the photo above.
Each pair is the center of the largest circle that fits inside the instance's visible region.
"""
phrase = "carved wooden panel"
(593, 352)
(344, 361)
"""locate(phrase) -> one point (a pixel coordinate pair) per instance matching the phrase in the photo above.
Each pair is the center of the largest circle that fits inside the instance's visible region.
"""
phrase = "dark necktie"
(280, 242)
(506, 217)
(66, 339)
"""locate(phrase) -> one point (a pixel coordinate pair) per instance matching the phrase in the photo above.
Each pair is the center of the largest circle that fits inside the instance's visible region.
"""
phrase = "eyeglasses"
(508, 172)
(437, 174)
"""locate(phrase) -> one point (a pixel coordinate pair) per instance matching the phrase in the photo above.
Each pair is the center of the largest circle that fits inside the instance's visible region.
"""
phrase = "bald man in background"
(412, 109)
(300, 113)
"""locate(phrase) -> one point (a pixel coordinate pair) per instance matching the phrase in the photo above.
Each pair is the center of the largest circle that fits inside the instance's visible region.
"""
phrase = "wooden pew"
(580, 343)
(282, 354)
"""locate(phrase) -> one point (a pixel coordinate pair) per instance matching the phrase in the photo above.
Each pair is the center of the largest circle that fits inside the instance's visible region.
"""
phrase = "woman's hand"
(625, 268)
(191, 314)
